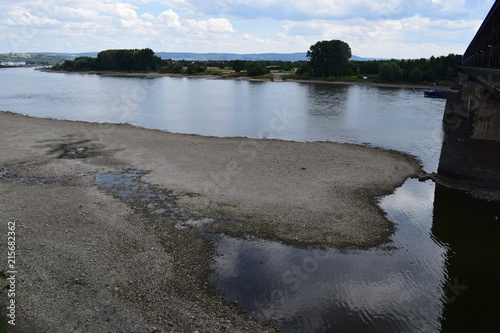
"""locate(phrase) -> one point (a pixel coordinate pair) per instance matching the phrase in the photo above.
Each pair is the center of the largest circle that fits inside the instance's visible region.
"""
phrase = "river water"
(439, 274)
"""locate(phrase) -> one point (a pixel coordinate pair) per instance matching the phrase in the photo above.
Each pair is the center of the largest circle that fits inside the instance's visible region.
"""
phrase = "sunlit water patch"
(411, 286)
(393, 118)
(310, 290)
(440, 273)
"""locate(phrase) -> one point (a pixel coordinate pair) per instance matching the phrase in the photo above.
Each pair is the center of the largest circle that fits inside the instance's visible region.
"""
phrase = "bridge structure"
(482, 57)
(470, 155)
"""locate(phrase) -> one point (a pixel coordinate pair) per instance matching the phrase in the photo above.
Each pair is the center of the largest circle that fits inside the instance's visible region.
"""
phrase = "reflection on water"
(327, 101)
(287, 110)
(396, 289)
(441, 271)
(442, 275)
(471, 230)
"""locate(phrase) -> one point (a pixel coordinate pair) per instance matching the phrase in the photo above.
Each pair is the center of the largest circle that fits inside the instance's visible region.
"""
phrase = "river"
(440, 272)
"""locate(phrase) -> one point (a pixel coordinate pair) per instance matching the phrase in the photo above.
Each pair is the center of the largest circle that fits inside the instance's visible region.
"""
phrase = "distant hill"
(300, 56)
(232, 56)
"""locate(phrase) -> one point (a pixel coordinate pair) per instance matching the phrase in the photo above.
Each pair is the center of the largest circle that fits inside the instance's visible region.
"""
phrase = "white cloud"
(407, 28)
(170, 19)
(304, 10)
(125, 16)
(211, 25)
(455, 25)
(148, 17)
(391, 38)
(251, 38)
(20, 18)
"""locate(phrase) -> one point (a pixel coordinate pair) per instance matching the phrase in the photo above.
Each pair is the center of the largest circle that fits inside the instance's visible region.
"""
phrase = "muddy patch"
(152, 202)
(73, 146)
(181, 236)
(24, 173)
(77, 149)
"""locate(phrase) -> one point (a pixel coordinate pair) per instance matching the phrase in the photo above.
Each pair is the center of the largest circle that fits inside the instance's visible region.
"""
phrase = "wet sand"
(275, 77)
(91, 262)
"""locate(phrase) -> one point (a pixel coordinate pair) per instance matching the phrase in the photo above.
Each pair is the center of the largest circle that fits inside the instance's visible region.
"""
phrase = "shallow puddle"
(410, 288)
(439, 274)
(157, 204)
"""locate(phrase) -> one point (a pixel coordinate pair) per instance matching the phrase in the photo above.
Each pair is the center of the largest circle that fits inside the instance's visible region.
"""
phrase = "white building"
(12, 63)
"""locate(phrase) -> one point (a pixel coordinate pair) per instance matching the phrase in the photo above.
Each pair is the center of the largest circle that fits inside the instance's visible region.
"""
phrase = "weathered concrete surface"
(470, 156)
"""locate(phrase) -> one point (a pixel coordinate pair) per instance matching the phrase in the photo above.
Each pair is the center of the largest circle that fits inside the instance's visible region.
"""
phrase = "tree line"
(115, 60)
(329, 60)
(414, 70)
(251, 68)
(145, 61)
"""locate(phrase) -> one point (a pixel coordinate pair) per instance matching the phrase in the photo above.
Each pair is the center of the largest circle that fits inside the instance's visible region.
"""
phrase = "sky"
(401, 29)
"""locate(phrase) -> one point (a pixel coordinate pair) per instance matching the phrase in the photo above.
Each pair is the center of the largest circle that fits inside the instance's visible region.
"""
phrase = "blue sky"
(381, 28)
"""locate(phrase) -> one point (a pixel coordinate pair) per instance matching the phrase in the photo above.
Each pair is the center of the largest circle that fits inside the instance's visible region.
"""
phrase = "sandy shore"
(89, 262)
(376, 84)
(276, 77)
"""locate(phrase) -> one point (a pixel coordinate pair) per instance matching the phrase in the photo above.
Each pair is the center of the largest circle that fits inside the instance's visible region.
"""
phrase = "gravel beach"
(89, 261)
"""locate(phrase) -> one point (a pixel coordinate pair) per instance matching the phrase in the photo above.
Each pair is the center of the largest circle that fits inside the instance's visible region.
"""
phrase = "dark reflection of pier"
(471, 229)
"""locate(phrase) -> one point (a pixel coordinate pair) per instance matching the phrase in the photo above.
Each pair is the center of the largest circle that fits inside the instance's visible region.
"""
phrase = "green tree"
(84, 64)
(416, 75)
(176, 68)
(430, 74)
(143, 59)
(329, 58)
(128, 60)
(238, 65)
(451, 72)
(256, 68)
(389, 71)
(67, 65)
(305, 68)
(192, 68)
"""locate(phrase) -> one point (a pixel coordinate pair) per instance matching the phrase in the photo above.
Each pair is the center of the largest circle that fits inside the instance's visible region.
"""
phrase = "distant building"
(12, 64)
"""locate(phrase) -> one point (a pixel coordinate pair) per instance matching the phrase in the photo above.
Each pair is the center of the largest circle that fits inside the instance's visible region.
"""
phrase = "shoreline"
(81, 247)
(248, 78)
(376, 84)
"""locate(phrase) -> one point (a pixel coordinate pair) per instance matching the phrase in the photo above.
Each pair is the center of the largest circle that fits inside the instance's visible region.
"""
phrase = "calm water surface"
(440, 273)
(385, 117)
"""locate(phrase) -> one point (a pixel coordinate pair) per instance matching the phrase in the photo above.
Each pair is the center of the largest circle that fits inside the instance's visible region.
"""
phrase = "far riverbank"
(248, 78)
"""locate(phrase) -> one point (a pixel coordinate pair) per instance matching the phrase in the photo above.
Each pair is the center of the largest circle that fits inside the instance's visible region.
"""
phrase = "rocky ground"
(102, 255)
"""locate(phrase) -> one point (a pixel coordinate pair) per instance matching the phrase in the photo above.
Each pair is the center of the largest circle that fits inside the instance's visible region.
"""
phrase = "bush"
(451, 72)
(238, 65)
(256, 68)
(389, 71)
(175, 68)
(84, 63)
(195, 68)
(303, 69)
(416, 75)
(305, 76)
(290, 77)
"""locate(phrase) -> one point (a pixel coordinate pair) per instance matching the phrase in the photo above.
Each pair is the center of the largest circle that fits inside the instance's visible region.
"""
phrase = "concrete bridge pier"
(470, 155)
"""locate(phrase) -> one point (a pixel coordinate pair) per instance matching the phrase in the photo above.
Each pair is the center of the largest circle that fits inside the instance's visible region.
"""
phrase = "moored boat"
(436, 93)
